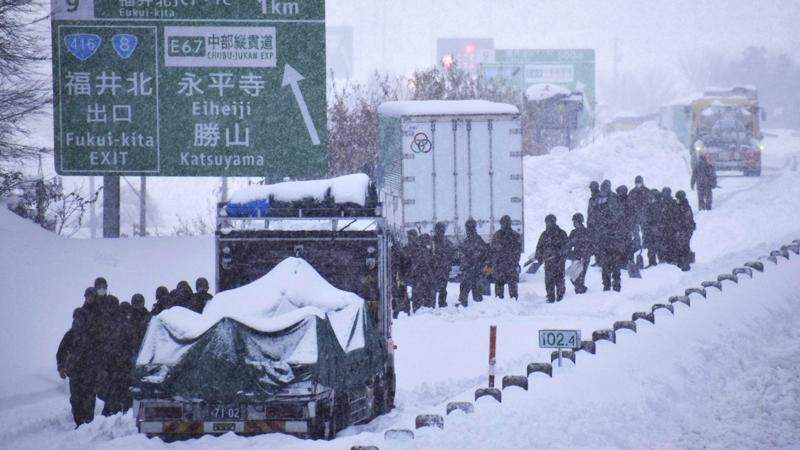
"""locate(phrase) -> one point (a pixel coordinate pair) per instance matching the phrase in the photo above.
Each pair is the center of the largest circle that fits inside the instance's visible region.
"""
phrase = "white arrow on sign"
(293, 77)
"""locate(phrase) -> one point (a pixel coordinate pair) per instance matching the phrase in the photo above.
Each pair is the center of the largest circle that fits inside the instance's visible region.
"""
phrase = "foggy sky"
(400, 35)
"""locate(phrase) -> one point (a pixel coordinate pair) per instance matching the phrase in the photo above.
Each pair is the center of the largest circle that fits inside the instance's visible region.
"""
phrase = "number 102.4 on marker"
(559, 338)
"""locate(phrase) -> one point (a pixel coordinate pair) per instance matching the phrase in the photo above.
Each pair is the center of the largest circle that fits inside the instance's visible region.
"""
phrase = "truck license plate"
(225, 412)
(224, 427)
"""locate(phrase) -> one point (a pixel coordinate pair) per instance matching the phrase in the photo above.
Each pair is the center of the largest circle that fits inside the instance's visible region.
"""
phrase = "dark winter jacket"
(424, 268)
(76, 355)
(580, 244)
(474, 253)
(684, 218)
(506, 249)
(654, 223)
(411, 254)
(198, 301)
(704, 176)
(552, 246)
(443, 256)
(639, 198)
(141, 319)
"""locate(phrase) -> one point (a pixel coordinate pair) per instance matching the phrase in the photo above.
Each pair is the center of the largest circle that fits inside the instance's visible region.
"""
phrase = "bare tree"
(22, 93)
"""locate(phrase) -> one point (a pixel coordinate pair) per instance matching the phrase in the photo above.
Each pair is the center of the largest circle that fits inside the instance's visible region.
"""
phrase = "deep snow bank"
(559, 183)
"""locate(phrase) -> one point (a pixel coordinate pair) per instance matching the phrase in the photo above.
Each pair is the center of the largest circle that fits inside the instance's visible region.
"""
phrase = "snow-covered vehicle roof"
(445, 108)
(544, 91)
(345, 189)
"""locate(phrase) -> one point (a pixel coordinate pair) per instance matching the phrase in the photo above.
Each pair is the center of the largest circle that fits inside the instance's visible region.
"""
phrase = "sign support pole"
(492, 353)
(143, 206)
(559, 357)
(92, 210)
(111, 206)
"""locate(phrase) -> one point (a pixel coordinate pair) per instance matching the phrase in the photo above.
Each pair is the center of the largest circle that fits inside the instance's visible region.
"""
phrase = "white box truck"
(447, 161)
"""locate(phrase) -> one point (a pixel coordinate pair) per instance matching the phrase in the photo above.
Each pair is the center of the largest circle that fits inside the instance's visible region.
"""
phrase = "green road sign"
(572, 68)
(190, 87)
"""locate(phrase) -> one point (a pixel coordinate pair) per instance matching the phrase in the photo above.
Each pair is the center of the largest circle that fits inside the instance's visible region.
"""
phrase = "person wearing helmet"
(610, 237)
(75, 360)
(579, 248)
(443, 256)
(201, 296)
(685, 227)
(182, 295)
(473, 259)
(628, 221)
(163, 300)
(551, 251)
(423, 274)
(669, 218)
(506, 249)
(639, 198)
(704, 177)
(652, 230)
(140, 317)
(412, 252)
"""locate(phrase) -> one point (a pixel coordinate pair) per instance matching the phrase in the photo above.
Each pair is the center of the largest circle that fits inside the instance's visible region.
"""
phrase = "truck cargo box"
(447, 161)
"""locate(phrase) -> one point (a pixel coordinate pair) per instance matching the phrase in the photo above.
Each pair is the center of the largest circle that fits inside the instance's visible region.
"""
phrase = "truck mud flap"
(545, 368)
(429, 420)
(489, 392)
(515, 380)
(650, 317)
(465, 407)
(680, 299)
(755, 265)
(699, 291)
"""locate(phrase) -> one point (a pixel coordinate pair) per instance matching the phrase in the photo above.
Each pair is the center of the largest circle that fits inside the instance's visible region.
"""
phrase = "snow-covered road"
(442, 354)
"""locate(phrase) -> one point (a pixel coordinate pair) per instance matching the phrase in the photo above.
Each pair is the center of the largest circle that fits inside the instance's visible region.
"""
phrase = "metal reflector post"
(492, 353)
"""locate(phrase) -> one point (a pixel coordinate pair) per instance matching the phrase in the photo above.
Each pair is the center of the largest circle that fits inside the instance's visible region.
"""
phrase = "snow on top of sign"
(543, 91)
(345, 189)
(288, 294)
(445, 108)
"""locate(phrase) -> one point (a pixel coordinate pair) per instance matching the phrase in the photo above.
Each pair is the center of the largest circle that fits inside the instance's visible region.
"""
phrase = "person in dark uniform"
(108, 322)
(140, 317)
(182, 295)
(610, 237)
(627, 215)
(639, 198)
(473, 259)
(551, 251)
(591, 215)
(443, 255)
(122, 351)
(685, 227)
(163, 300)
(75, 359)
(704, 177)
(411, 252)
(669, 218)
(579, 248)
(506, 249)
(399, 291)
(652, 231)
(423, 273)
(201, 296)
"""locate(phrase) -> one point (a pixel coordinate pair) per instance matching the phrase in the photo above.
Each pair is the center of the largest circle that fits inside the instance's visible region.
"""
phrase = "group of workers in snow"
(618, 225)
(99, 350)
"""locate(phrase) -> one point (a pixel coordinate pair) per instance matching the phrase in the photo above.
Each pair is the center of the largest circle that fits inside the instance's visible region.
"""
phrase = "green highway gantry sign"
(190, 87)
